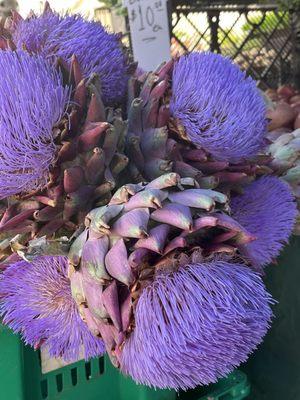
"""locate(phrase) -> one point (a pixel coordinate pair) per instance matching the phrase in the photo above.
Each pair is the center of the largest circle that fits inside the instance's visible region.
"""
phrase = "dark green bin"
(274, 369)
(21, 379)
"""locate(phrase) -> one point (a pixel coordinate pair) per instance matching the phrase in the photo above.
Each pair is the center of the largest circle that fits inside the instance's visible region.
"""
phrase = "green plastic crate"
(21, 379)
(234, 387)
(274, 369)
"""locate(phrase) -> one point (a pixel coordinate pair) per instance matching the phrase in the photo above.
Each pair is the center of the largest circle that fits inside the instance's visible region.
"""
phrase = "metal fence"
(257, 37)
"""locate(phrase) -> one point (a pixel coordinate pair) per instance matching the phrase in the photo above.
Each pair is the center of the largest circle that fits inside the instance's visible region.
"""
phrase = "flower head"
(32, 33)
(36, 301)
(195, 325)
(267, 210)
(32, 101)
(220, 109)
(97, 51)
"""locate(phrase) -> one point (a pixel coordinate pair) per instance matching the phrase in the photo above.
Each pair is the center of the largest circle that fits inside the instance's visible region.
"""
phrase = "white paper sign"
(149, 28)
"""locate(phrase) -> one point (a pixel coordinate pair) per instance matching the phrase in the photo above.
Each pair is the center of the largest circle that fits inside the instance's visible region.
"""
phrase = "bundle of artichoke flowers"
(138, 210)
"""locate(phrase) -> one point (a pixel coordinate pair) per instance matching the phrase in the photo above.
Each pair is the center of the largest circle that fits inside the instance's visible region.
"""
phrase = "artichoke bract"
(285, 152)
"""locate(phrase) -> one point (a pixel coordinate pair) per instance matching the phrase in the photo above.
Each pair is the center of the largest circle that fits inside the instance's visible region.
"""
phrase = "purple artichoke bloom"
(196, 325)
(220, 109)
(32, 101)
(36, 301)
(33, 32)
(267, 210)
(97, 51)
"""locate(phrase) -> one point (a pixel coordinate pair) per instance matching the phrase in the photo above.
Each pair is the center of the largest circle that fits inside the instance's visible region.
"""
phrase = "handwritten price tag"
(149, 30)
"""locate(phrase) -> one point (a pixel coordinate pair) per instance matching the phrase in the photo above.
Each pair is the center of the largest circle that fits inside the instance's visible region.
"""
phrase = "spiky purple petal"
(97, 51)
(195, 325)
(32, 101)
(220, 109)
(36, 302)
(267, 210)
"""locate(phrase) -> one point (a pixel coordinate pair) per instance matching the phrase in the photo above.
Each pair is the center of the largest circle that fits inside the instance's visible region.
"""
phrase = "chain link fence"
(257, 37)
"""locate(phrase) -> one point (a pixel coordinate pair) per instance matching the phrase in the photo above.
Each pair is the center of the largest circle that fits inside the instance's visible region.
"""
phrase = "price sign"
(149, 30)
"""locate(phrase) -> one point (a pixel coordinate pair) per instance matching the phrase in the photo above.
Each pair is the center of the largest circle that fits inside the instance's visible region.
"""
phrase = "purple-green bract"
(36, 301)
(32, 101)
(220, 109)
(267, 209)
(97, 51)
(196, 325)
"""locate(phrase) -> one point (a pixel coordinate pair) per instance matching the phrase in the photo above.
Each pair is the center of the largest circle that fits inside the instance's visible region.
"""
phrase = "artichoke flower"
(36, 301)
(266, 209)
(33, 100)
(185, 336)
(167, 231)
(220, 108)
(61, 36)
(158, 143)
(61, 152)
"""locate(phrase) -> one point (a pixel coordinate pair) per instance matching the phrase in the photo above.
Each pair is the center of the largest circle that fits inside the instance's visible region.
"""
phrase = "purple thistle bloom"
(196, 325)
(267, 210)
(32, 101)
(98, 51)
(36, 301)
(220, 109)
(33, 32)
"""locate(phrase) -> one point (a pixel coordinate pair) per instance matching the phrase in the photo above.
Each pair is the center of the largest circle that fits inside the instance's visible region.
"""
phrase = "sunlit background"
(85, 7)
(90, 9)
